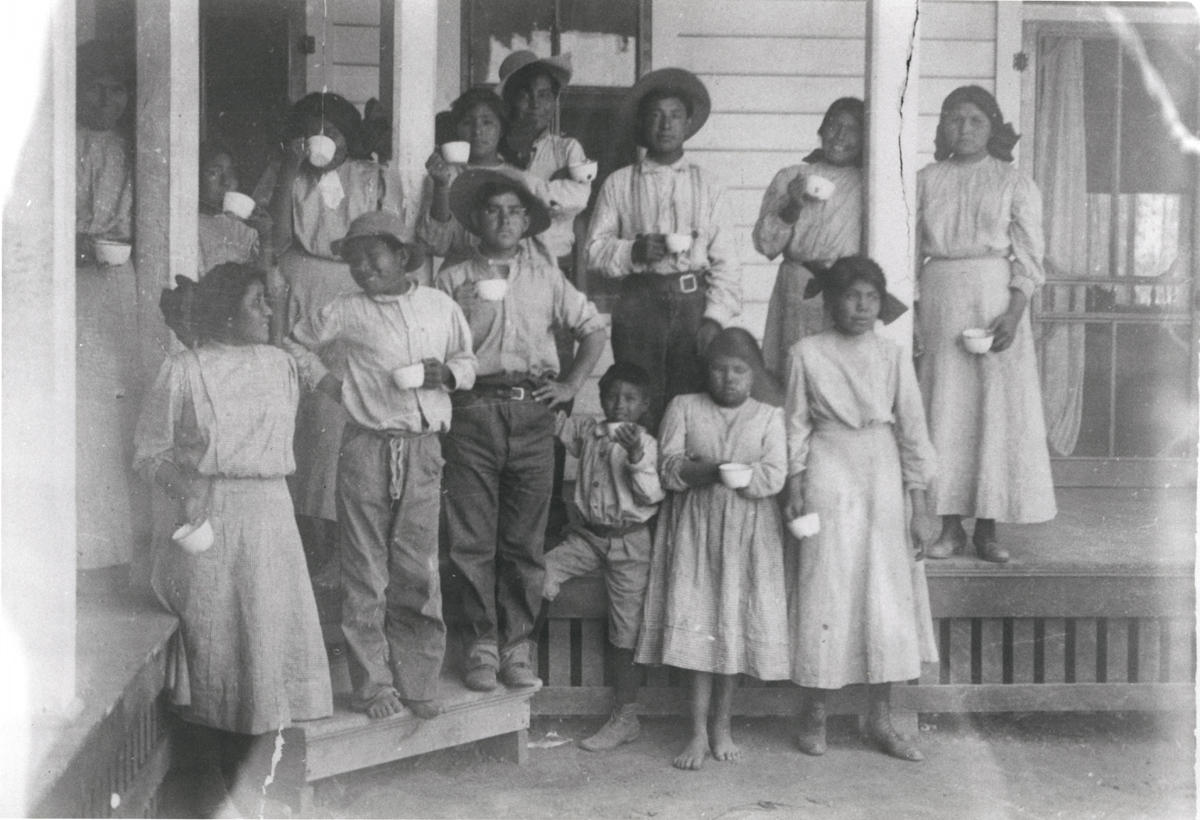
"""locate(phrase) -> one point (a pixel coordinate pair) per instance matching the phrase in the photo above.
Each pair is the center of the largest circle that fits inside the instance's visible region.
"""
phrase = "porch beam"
(408, 71)
(890, 155)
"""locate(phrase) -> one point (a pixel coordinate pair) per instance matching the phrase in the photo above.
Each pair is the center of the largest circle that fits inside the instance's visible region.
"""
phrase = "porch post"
(889, 205)
(167, 175)
(37, 563)
(408, 70)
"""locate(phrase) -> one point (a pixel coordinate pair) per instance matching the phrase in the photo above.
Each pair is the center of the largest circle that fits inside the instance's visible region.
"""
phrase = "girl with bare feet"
(856, 442)
(716, 604)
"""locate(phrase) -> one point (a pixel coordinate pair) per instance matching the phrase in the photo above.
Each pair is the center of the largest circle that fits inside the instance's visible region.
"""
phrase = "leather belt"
(605, 531)
(670, 282)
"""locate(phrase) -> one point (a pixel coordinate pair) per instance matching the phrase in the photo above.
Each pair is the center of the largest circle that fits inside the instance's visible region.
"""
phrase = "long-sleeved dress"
(858, 602)
(980, 234)
(251, 657)
(322, 210)
(825, 231)
(107, 358)
(716, 600)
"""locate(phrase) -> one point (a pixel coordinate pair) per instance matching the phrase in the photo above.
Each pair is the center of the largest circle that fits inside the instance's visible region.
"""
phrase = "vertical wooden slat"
(559, 673)
(960, 650)
(1149, 635)
(1118, 650)
(1022, 650)
(1085, 650)
(1180, 642)
(592, 645)
(991, 650)
(944, 633)
(1039, 650)
(1055, 647)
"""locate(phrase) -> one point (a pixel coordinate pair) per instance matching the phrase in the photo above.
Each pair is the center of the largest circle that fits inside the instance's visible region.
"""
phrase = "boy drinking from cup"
(617, 492)
(500, 448)
(390, 465)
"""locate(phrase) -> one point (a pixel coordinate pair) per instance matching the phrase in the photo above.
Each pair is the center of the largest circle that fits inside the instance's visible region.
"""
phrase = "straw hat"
(675, 81)
(466, 190)
(523, 63)
(384, 225)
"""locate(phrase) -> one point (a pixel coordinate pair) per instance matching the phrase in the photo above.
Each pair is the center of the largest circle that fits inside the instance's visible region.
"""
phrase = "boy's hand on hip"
(554, 393)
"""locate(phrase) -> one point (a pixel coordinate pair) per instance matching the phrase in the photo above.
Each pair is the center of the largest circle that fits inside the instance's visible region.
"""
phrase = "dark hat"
(675, 82)
(383, 225)
(475, 183)
(520, 64)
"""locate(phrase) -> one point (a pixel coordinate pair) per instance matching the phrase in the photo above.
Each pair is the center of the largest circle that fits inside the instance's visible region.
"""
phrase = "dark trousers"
(391, 589)
(655, 328)
(499, 473)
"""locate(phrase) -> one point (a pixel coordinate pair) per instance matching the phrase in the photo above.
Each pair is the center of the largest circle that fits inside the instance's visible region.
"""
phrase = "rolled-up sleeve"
(607, 253)
(725, 274)
(798, 420)
(575, 311)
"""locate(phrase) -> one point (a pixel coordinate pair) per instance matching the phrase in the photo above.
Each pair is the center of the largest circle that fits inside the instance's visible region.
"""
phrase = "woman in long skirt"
(980, 234)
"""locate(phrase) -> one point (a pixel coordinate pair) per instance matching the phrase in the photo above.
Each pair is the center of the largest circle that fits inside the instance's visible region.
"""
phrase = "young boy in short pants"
(617, 491)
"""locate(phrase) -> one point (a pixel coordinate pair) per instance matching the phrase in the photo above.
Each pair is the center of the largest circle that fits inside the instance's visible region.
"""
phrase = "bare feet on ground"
(385, 704)
(723, 747)
(692, 757)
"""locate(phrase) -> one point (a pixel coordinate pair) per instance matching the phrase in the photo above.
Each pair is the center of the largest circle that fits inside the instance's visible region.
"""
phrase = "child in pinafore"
(857, 440)
(390, 466)
(617, 491)
(716, 604)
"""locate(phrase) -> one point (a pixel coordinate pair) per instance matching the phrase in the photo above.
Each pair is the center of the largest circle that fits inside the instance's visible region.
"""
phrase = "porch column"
(37, 563)
(408, 71)
(890, 155)
(167, 175)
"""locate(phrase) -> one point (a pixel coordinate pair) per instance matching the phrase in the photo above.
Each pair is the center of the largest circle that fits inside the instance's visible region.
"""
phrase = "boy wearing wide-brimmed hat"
(663, 227)
(390, 464)
(499, 451)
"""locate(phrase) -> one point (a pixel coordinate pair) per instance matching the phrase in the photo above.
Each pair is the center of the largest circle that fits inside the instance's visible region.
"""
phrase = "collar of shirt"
(679, 166)
(479, 260)
(392, 297)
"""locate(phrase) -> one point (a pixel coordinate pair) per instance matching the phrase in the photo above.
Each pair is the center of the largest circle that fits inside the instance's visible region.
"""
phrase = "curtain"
(1060, 170)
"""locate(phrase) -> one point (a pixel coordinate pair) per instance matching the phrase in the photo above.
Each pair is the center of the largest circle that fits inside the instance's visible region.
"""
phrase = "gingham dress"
(716, 600)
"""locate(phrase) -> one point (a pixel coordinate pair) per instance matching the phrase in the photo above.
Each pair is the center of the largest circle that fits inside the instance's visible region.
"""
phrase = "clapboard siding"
(753, 169)
(957, 21)
(767, 56)
(801, 19)
(778, 132)
(774, 94)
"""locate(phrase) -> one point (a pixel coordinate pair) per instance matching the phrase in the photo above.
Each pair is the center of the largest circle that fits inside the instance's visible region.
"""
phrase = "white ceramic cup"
(735, 475)
(456, 151)
(679, 242)
(613, 427)
(491, 290)
(410, 377)
(320, 150)
(238, 204)
(109, 252)
(583, 171)
(194, 539)
(818, 187)
(977, 340)
(805, 526)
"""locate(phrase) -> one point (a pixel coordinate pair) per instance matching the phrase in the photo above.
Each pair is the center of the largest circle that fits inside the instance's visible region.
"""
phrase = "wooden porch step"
(351, 740)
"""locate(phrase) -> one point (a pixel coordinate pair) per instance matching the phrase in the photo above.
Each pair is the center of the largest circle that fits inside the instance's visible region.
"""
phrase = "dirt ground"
(1124, 766)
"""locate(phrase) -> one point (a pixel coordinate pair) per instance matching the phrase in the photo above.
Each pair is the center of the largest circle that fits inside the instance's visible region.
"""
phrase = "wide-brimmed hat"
(520, 64)
(474, 182)
(383, 225)
(674, 81)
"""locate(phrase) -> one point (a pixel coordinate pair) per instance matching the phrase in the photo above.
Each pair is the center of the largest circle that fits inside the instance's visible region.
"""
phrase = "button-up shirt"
(379, 334)
(553, 154)
(647, 198)
(609, 489)
(515, 334)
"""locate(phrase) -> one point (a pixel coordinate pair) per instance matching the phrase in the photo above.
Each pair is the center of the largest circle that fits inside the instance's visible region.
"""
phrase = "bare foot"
(723, 747)
(385, 704)
(692, 757)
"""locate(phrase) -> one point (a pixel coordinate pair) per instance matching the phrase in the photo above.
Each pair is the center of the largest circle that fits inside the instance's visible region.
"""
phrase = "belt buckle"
(516, 394)
(688, 283)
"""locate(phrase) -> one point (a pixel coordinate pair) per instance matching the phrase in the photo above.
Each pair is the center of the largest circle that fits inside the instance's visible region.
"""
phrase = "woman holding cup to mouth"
(313, 195)
(812, 214)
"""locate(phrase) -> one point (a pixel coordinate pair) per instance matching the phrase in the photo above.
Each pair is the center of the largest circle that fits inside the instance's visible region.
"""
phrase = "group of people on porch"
(756, 509)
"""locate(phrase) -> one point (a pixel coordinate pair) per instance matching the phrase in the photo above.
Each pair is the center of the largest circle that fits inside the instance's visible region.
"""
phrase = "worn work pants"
(391, 590)
(654, 326)
(499, 473)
